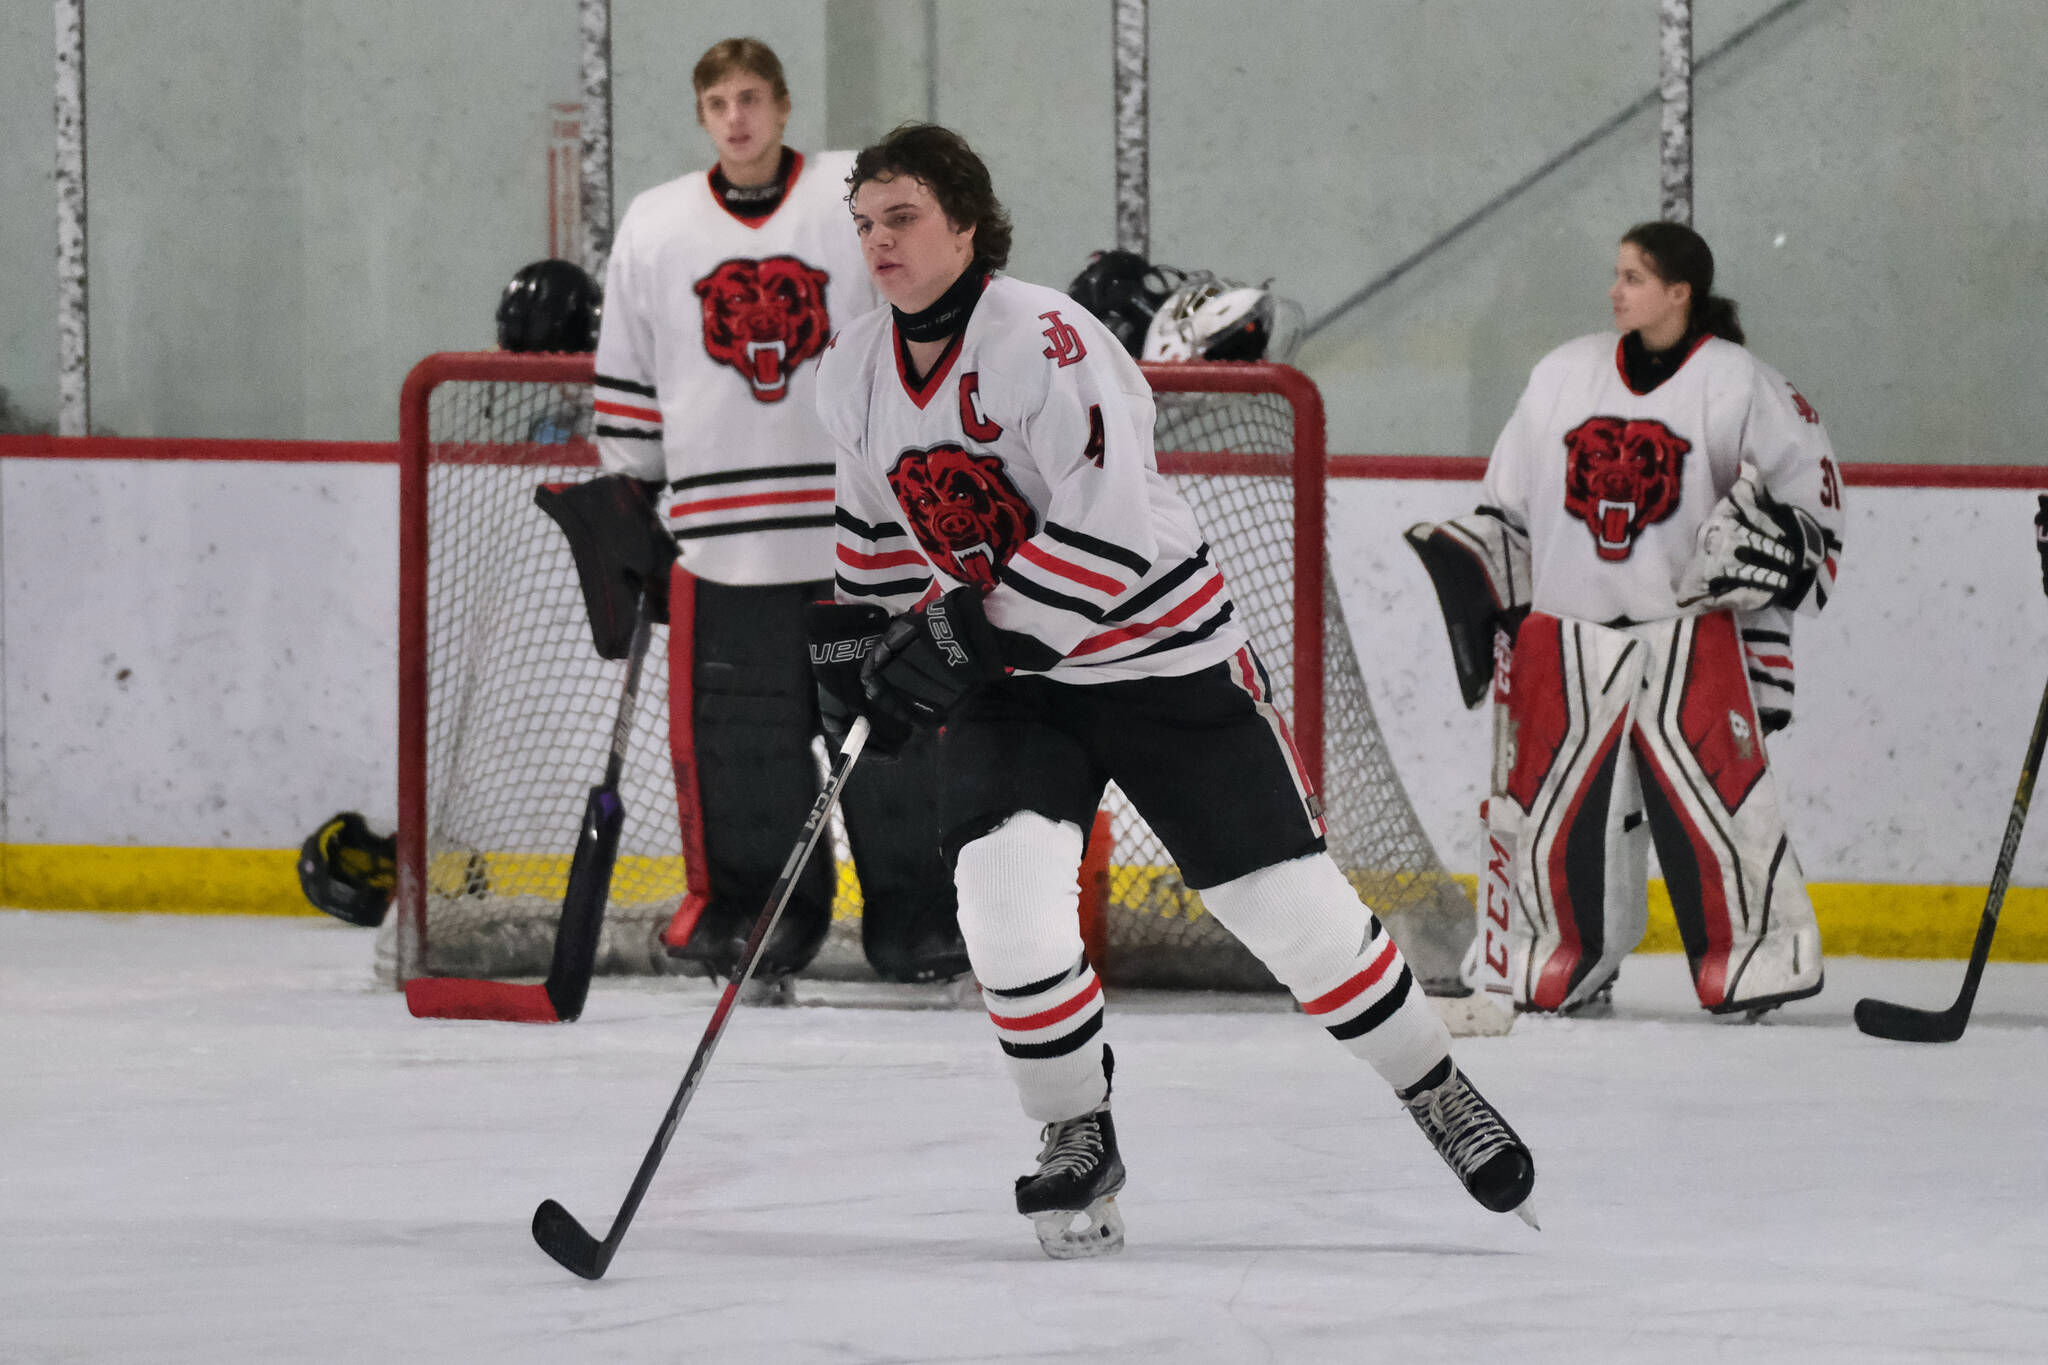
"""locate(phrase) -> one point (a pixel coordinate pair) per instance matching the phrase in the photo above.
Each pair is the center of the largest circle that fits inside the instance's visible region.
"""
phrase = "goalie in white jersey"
(1661, 503)
(722, 289)
(1012, 564)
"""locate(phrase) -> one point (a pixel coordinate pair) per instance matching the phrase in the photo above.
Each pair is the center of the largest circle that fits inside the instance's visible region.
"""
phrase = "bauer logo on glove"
(930, 660)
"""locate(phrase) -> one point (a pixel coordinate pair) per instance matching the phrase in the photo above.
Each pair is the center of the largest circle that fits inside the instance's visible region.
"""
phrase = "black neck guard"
(948, 314)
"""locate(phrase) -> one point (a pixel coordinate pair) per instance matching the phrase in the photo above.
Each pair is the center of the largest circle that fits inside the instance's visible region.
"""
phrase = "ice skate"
(1474, 1141)
(1071, 1197)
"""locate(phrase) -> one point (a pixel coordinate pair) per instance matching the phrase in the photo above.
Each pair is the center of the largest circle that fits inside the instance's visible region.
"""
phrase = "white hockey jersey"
(1612, 485)
(706, 366)
(1022, 465)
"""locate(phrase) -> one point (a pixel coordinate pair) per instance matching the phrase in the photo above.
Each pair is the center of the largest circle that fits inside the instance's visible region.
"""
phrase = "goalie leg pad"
(753, 718)
(1304, 921)
(1019, 913)
(1736, 886)
(1577, 883)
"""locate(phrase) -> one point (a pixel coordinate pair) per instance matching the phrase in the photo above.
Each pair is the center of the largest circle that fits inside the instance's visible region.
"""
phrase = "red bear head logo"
(765, 318)
(1620, 476)
(963, 510)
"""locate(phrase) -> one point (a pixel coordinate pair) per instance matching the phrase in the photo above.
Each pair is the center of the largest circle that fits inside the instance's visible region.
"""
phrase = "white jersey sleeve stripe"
(1053, 564)
(1101, 549)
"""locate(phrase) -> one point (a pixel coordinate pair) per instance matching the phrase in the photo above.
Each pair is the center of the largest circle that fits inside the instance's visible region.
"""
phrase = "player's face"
(1645, 303)
(912, 248)
(745, 121)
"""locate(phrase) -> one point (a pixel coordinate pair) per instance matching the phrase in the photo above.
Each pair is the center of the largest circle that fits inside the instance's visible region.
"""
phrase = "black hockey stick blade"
(562, 1237)
(1904, 1024)
(590, 884)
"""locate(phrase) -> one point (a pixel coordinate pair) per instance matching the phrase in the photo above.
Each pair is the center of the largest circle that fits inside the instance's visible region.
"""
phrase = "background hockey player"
(722, 289)
(1016, 567)
(1661, 502)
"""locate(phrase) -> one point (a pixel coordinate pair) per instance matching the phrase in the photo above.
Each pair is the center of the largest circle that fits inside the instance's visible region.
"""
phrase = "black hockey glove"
(842, 635)
(2041, 539)
(930, 660)
(621, 549)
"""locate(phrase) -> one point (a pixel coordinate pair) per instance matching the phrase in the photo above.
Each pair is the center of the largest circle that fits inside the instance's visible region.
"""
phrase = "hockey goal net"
(505, 711)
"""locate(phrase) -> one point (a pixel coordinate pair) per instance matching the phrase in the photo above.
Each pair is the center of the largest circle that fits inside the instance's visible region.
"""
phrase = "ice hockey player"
(1016, 568)
(1661, 502)
(722, 289)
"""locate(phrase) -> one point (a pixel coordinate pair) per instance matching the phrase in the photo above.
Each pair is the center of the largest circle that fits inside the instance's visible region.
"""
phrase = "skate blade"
(1526, 1211)
(1072, 1235)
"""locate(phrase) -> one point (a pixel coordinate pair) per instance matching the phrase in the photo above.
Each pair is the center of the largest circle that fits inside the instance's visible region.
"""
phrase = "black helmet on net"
(347, 871)
(551, 305)
(1123, 290)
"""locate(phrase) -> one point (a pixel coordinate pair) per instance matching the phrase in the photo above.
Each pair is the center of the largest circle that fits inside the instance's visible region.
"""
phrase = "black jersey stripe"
(627, 433)
(1028, 652)
(1061, 1046)
(895, 587)
(888, 530)
(1180, 639)
(1782, 684)
(1101, 549)
(1752, 636)
(1166, 583)
(1038, 592)
(612, 381)
(1382, 1010)
(771, 471)
(734, 528)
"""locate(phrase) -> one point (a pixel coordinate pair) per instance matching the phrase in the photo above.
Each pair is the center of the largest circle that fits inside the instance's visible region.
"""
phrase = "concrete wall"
(201, 655)
(293, 199)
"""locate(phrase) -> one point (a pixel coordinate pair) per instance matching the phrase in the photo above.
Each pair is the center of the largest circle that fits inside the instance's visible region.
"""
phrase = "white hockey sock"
(1303, 920)
(1019, 915)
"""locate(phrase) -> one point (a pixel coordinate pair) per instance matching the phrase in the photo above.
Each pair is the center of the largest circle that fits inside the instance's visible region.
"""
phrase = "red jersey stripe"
(1111, 638)
(685, 509)
(611, 409)
(894, 559)
(1052, 563)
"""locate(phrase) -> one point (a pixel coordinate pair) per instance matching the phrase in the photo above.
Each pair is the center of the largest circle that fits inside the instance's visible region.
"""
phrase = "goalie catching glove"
(842, 635)
(1752, 551)
(930, 660)
(621, 549)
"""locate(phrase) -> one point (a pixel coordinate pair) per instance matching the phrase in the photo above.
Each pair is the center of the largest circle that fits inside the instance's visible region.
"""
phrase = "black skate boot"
(1078, 1176)
(1474, 1140)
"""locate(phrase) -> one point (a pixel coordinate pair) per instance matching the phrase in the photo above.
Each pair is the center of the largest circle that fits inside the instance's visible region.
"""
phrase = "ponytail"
(1716, 316)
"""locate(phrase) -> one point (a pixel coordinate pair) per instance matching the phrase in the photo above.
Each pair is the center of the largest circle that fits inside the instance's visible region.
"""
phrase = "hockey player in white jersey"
(1012, 564)
(722, 289)
(1661, 503)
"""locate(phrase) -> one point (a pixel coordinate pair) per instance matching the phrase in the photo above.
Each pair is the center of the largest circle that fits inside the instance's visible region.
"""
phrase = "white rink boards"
(218, 1143)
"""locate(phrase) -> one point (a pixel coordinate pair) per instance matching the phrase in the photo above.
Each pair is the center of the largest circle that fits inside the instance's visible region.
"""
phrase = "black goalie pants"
(746, 776)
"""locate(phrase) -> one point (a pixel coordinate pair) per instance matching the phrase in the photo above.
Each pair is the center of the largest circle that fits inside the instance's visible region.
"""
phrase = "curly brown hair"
(942, 161)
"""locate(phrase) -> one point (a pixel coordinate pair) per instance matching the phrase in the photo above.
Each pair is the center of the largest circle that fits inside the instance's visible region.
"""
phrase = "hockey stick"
(554, 1227)
(1883, 1019)
(560, 999)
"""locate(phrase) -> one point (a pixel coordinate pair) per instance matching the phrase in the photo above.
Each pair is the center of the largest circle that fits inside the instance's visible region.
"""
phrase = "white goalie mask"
(1208, 318)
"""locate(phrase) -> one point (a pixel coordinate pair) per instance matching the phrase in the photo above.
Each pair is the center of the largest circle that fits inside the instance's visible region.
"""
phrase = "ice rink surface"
(220, 1143)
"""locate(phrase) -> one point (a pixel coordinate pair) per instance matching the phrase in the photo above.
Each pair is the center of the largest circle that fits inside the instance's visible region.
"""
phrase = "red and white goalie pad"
(1615, 733)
